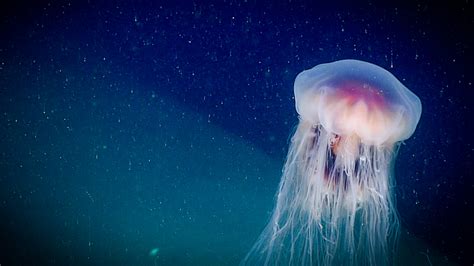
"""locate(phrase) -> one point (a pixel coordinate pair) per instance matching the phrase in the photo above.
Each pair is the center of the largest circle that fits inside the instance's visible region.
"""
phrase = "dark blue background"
(235, 63)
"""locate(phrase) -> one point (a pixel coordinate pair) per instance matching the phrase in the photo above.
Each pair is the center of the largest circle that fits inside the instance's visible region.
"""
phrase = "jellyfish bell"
(335, 204)
(344, 95)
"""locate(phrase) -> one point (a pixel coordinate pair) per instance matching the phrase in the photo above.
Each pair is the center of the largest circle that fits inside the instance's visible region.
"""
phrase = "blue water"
(154, 134)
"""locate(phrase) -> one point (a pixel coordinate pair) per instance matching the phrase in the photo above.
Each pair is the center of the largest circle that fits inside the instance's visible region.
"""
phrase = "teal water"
(169, 188)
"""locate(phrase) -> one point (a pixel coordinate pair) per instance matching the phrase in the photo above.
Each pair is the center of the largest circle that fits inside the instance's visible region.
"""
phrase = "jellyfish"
(335, 203)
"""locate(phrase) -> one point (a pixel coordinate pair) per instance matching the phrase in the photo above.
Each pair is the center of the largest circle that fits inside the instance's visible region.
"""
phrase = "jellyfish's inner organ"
(335, 203)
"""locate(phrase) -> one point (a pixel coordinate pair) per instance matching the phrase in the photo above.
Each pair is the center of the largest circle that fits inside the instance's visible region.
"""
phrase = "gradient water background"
(130, 128)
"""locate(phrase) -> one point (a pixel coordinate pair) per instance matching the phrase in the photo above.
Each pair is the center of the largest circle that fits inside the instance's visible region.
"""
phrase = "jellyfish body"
(335, 204)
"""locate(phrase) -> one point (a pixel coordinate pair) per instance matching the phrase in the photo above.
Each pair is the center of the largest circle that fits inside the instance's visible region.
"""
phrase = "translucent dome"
(351, 97)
